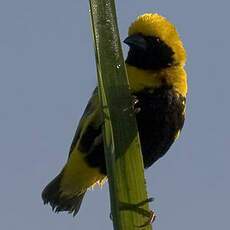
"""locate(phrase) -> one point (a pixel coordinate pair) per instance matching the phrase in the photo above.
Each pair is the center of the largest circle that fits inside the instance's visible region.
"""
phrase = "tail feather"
(52, 195)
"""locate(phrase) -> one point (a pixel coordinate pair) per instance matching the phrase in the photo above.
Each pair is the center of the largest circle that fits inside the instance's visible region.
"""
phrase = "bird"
(158, 81)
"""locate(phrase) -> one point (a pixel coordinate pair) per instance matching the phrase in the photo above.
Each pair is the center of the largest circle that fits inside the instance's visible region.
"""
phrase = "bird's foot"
(135, 102)
(149, 214)
(134, 106)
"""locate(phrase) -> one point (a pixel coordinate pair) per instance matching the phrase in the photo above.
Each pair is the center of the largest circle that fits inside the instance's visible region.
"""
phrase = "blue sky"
(47, 75)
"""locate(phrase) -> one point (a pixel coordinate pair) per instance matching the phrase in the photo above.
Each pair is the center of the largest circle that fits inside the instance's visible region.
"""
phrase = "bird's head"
(154, 43)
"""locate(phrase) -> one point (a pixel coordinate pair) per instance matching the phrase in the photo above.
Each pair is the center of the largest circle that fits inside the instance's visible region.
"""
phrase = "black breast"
(159, 120)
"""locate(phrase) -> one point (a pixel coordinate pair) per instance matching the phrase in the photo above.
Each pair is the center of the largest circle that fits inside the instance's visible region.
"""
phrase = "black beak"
(136, 41)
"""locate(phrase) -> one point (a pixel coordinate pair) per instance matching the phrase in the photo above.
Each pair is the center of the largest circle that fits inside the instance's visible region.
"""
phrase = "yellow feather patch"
(78, 176)
(159, 26)
(175, 76)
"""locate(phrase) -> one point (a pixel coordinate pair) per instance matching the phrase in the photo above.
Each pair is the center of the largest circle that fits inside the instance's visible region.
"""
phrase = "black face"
(147, 52)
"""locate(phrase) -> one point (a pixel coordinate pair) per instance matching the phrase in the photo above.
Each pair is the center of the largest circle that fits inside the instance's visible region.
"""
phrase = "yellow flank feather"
(78, 176)
(159, 26)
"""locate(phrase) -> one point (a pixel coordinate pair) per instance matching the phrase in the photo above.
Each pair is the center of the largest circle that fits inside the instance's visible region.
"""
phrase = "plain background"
(47, 73)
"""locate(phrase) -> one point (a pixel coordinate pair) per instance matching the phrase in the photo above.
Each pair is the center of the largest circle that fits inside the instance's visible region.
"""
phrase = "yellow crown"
(157, 25)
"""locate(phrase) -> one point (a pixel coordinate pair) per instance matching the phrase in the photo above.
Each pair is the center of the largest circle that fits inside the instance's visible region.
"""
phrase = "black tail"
(52, 195)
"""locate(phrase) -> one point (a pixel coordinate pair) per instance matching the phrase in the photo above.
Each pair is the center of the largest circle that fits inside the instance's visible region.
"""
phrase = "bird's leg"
(133, 107)
(140, 210)
(135, 102)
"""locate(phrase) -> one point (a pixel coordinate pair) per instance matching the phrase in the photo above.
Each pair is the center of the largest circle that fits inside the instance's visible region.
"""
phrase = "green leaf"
(121, 141)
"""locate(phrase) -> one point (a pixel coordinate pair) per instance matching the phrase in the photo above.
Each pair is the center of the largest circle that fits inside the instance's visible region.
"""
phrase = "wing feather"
(90, 115)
